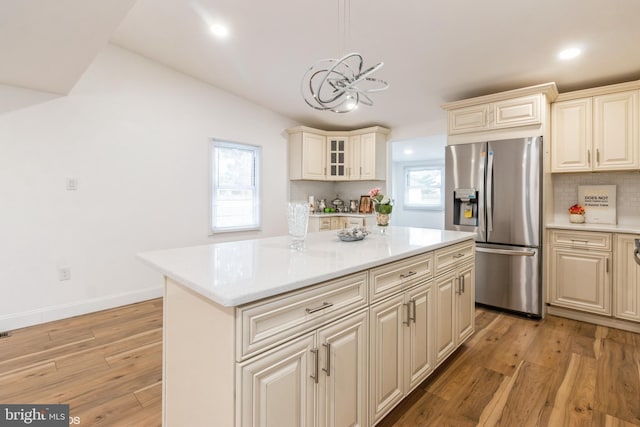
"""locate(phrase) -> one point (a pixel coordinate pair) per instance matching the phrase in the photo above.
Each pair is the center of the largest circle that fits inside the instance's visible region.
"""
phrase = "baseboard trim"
(63, 311)
(594, 318)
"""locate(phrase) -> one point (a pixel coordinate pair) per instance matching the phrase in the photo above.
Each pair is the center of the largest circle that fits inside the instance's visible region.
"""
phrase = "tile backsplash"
(565, 193)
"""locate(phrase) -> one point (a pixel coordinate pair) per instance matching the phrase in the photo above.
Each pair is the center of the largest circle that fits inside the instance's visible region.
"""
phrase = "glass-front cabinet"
(337, 158)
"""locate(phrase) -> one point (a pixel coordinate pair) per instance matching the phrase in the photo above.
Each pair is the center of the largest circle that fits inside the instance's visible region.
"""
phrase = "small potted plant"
(576, 214)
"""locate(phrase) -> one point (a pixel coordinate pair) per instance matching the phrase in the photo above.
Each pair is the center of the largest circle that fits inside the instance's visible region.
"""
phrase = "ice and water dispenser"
(465, 206)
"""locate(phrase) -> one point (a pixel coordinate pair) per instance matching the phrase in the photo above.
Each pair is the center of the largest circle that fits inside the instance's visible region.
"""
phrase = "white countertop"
(608, 228)
(235, 273)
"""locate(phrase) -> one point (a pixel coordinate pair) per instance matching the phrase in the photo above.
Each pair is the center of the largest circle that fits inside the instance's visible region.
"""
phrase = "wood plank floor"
(512, 372)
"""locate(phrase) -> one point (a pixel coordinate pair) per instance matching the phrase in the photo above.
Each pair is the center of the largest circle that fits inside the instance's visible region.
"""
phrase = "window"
(235, 191)
(423, 187)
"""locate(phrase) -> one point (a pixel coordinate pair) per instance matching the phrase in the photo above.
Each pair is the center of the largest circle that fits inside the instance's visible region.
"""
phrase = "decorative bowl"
(352, 234)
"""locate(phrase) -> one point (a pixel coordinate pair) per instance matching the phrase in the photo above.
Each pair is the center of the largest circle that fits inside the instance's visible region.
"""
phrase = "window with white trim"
(423, 187)
(235, 186)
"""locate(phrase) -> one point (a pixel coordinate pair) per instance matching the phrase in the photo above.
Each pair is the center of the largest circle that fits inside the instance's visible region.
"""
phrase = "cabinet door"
(580, 279)
(615, 131)
(368, 157)
(337, 222)
(626, 289)
(354, 222)
(571, 135)
(276, 389)
(469, 119)
(465, 303)
(517, 112)
(325, 224)
(419, 335)
(386, 355)
(314, 152)
(354, 157)
(445, 286)
(337, 158)
(343, 390)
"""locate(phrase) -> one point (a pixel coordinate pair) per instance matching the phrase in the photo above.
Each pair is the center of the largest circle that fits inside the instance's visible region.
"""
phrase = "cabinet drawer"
(268, 322)
(393, 277)
(448, 258)
(581, 239)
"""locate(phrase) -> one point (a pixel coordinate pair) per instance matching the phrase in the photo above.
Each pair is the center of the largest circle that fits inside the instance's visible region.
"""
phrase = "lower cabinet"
(580, 271)
(626, 278)
(319, 379)
(454, 309)
(401, 334)
(334, 223)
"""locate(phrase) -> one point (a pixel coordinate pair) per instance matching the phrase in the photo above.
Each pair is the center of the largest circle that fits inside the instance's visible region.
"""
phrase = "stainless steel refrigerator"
(495, 190)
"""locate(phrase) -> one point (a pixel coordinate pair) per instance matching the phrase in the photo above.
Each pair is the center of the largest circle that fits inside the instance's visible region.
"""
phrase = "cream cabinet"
(580, 270)
(521, 111)
(323, 373)
(307, 156)
(400, 346)
(598, 133)
(626, 278)
(454, 308)
(338, 150)
(336, 222)
(354, 155)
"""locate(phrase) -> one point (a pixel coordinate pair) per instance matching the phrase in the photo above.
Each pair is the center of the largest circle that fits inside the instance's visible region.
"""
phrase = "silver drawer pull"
(458, 256)
(322, 307)
(584, 242)
(409, 274)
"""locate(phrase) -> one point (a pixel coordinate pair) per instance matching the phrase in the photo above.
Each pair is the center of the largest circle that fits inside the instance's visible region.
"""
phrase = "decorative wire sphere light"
(340, 85)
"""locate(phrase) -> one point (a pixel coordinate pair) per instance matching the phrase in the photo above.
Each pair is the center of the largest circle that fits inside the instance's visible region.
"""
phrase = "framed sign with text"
(599, 203)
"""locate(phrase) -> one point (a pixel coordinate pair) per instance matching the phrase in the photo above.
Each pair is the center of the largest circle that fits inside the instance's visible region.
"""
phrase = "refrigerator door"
(514, 172)
(509, 277)
(464, 169)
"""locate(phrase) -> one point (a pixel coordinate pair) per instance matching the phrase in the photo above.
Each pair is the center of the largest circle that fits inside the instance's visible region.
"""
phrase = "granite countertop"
(235, 273)
(608, 228)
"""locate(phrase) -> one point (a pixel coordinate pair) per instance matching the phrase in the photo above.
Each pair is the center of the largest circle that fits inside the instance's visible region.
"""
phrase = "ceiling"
(433, 51)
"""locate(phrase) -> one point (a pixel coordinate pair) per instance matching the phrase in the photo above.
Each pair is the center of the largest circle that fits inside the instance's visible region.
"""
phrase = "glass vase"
(298, 220)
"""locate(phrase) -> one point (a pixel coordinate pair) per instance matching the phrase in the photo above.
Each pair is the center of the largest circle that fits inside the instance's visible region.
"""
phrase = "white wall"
(136, 137)
(427, 141)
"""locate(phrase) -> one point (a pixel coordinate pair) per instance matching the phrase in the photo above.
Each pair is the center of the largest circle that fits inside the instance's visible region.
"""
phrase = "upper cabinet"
(595, 133)
(497, 115)
(338, 156)
(500, 115)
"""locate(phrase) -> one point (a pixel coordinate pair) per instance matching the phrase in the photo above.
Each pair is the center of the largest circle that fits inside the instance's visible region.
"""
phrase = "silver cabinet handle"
(457, 279)
(636, 255)
(456, 256)
(606, 265)
(327, 367)
(413, 304)
(315, 352)
(597, 155)
(589, 157)
(409, 274)
(322, 307)
(406, 322)
(462, 280)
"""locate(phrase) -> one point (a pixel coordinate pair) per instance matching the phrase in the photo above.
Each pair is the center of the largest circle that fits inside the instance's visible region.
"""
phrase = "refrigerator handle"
(489, 191)
(519, 252)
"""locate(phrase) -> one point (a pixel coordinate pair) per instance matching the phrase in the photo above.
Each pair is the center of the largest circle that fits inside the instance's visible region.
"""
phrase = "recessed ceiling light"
(570, 53)
(408, 151)
(219, 30)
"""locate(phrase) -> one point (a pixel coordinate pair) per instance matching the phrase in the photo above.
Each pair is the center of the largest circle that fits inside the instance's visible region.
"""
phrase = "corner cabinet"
(356, 155)
(598, 133)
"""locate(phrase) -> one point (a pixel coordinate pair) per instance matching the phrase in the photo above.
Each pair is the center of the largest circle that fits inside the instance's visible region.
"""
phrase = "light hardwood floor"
(512, 372)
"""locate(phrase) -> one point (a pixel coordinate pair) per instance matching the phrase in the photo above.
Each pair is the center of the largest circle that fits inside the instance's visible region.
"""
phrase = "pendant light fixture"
(340, 85)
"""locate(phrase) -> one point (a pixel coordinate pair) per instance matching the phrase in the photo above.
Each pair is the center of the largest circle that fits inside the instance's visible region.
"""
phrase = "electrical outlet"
(64, 273)
(72, 184)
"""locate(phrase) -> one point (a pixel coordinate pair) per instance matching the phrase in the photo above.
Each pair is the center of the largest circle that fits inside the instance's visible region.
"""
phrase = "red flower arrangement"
(576, 210)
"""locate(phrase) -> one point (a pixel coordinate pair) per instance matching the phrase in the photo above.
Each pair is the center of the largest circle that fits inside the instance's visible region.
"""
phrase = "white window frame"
(255, 187)
(405, 176)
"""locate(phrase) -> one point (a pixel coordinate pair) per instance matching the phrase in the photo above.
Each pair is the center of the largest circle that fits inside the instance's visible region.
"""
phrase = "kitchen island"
(338, 334)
